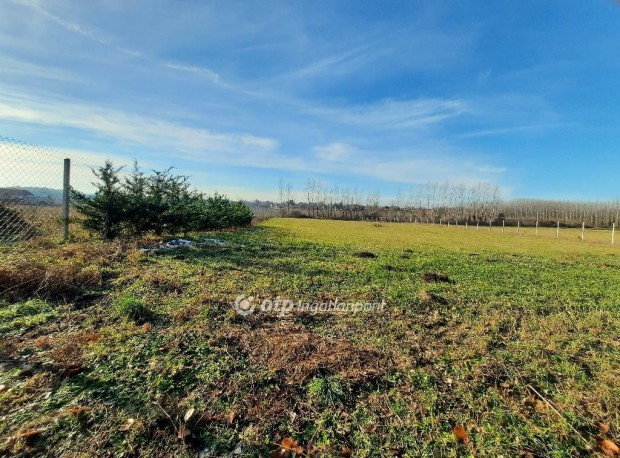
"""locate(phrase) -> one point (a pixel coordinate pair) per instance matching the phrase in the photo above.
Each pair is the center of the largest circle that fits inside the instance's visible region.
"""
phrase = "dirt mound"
(300, 355)
(365, 254)
(432, 277)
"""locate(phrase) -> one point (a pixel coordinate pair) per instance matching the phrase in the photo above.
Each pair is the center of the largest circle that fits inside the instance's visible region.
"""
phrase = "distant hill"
(46, 193)
(31, 195)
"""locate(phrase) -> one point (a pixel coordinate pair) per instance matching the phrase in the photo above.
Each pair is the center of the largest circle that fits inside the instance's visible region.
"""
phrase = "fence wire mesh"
(31, 189)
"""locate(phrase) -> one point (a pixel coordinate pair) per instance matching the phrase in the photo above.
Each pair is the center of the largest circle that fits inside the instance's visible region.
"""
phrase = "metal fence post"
(66, 198)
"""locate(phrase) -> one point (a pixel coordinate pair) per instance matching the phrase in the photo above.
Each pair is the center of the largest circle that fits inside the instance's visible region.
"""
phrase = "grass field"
(514, 340)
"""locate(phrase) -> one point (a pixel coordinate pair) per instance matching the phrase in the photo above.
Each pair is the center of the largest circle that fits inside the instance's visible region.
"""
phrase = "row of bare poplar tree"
(438, 203)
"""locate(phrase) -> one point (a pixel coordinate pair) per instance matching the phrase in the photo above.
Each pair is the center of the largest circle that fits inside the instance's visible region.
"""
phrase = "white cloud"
(209, 74)
(515, 129)
(87, 32)
(167, 141)
(22, 68)
(397, 114)
(489, 169)
(150, 132)
(335, 151)
(337, 63)
(424, 169)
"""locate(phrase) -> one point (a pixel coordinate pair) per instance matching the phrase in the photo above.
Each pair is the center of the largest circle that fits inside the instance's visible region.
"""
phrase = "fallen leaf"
(77, 410)
(28, 433)
(370, 428)
(146, 327)
(291, 445)
(230, 418)
(3, 388)
(540, 406)
(602, 427)
(461, 434)
(184, 432)
(607, 447)
(128, 425)
(346, 452)
(285, 448)
(42, 342)
(189, 414)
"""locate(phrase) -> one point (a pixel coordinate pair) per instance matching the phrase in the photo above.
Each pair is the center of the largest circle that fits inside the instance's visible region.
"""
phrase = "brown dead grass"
(7, 349)
(166, 281)
(68, 351)
(299, 355)
(43, 269)
(26, 279)
(185, 314)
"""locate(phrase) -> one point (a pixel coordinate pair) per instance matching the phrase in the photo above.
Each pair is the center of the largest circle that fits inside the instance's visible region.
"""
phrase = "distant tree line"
(160, 203)
(435, 203)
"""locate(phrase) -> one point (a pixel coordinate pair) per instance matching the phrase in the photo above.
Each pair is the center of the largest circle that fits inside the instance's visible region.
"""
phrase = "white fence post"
(536, 227)
(557, 233)
(613, 232)
(583, 231)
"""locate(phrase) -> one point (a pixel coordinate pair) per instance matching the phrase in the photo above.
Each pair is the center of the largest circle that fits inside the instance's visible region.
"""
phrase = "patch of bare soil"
(365, 255)
(433, 277)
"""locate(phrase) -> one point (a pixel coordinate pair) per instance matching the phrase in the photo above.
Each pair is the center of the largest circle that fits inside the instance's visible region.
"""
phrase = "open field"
(513, 338)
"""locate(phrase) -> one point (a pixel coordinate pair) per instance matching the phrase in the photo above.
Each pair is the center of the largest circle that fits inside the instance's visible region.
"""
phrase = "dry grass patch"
(67, 352)
(166, 281)
(26, 279)
(298, 355)
(186, 313)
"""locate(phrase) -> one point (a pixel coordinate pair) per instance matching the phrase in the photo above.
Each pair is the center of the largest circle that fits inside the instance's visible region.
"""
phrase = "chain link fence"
(32, 191)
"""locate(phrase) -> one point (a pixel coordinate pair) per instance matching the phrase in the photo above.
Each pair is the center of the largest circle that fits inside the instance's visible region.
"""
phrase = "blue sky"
(373, 95)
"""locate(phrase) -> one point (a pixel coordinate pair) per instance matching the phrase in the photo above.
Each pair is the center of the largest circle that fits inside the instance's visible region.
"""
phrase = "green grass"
(520, 347)
(132, 308)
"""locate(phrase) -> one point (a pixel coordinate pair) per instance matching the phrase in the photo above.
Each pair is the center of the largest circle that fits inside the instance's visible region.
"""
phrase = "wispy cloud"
(90, 33)
(335, 64)
(177, 142)
(515, 129)
(103, 38)
(209, 74)
(127, 127)
(395, 114)
(422, 169)
(10, 66)
(335, 151)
